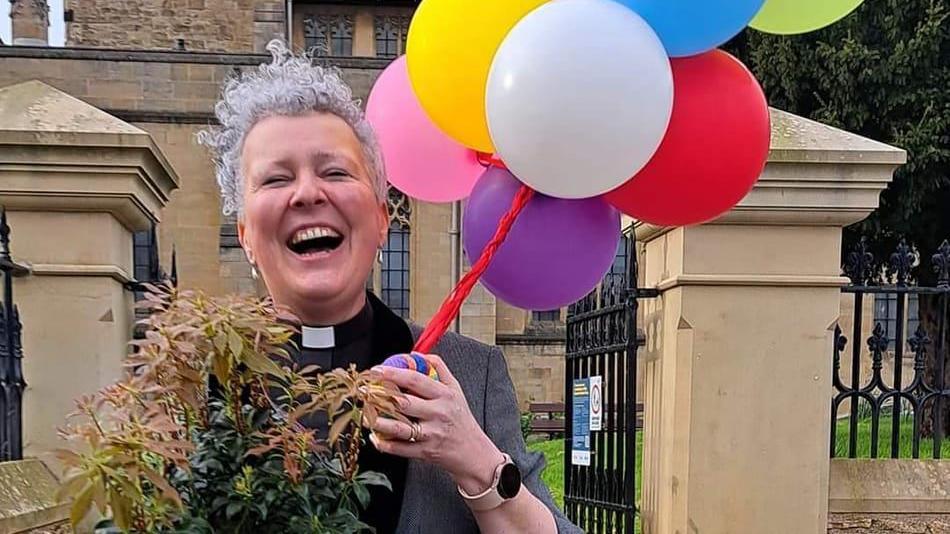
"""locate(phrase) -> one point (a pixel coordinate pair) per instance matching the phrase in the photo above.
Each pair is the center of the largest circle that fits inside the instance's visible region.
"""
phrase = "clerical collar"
(328, 337)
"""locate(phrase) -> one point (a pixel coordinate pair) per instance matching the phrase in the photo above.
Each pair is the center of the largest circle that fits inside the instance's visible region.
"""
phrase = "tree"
(884, 73)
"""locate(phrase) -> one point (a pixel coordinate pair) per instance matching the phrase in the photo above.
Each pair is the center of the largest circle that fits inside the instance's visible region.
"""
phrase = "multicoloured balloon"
(714, 150)
(787, 17)
(690, 27)
(421, 161)
(450, 48)
(641, 112)
(557, 251)
(578, 121)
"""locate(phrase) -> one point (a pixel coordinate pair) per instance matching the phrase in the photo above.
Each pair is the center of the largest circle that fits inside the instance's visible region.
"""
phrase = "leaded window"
(394, 271)
(328, 34)
(391, 32)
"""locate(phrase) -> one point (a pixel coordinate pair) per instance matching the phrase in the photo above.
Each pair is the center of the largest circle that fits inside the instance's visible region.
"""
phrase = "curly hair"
(290, 85)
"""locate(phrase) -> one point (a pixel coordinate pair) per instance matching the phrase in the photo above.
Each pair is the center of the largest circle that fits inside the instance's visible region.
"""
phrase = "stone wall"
(888, 524)
(889, 496)
(536, 366)
(203, 25)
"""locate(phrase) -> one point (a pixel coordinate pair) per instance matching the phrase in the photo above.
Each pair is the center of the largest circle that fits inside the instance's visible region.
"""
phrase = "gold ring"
(415, 431)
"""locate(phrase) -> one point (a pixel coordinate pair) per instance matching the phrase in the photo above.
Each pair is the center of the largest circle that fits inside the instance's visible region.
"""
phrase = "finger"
(445, 376)
(396, 447)
(392, 429)
(410, 381)
(413, 406)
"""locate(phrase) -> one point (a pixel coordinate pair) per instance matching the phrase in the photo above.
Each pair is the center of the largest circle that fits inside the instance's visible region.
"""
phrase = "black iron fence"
(602, 342)
(12, 383)
(899, 405)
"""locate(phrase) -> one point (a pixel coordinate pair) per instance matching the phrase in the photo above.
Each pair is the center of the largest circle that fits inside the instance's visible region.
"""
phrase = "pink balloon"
(421, 161)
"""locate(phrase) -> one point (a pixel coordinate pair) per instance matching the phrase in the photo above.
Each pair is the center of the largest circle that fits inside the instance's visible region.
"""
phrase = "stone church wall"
(203, 25)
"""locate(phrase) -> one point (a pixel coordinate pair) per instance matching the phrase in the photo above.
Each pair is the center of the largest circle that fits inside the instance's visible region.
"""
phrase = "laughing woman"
(299, 164)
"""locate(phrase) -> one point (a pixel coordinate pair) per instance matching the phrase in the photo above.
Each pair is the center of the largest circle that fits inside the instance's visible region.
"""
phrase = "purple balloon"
(558, 250)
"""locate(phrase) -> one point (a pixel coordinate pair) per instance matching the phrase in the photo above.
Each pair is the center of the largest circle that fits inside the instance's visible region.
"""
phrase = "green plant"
(203, 434)
(526, 419)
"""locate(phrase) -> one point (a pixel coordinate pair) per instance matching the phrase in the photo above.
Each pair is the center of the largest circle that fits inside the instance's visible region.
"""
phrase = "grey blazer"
(431, 502)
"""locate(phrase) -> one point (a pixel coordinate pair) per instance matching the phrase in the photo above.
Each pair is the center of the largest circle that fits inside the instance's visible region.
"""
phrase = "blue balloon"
(690, 27)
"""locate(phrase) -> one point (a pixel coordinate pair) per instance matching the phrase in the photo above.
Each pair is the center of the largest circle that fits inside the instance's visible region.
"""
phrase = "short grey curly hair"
(289, 85)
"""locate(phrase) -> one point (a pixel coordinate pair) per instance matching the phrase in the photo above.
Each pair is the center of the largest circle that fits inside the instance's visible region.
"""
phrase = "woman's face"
(312, 222)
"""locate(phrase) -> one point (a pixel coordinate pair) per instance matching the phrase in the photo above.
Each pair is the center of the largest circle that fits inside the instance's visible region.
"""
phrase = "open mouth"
(314, 241)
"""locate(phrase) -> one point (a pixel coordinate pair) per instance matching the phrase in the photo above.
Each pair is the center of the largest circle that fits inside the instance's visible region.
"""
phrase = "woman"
(299, 164)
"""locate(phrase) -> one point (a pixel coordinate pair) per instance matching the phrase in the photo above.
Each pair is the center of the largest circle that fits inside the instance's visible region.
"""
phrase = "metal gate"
(11, 356)
(602, 341)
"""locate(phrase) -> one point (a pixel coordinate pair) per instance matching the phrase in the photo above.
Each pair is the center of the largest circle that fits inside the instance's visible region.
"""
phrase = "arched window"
(394, 270)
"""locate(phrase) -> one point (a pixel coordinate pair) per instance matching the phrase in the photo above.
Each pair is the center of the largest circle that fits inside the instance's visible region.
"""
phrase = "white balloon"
(579, 97)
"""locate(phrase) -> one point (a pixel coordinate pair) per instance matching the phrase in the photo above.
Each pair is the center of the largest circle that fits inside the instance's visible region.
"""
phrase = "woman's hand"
(446, 433)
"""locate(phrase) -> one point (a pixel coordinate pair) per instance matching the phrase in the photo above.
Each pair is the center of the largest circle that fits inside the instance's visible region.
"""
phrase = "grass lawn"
(553, 475)
(553, 451)
(905, 443)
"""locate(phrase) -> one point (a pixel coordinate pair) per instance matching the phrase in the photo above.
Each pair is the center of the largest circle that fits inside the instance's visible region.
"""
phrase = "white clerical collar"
(318, 337)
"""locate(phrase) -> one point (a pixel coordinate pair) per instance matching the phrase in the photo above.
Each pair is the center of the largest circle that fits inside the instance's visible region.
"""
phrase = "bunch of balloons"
(599, 106)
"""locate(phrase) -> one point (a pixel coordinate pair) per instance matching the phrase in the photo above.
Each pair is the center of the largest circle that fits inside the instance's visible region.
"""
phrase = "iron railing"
(889, 414)
(602, 340)
(12, 382)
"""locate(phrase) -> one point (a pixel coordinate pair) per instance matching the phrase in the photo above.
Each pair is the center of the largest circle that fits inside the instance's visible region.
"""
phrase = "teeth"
(314, 233)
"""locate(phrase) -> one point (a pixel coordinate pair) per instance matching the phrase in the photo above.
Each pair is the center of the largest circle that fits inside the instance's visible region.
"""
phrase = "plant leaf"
(81, 505)
(339, 425)
(235, 343)
(163, 485)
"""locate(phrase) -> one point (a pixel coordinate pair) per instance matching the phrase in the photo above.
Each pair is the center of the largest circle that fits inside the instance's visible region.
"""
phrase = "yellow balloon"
(449, 50)
(786, 17)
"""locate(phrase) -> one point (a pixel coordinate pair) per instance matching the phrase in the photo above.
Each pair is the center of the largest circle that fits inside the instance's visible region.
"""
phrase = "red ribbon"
(449, 309)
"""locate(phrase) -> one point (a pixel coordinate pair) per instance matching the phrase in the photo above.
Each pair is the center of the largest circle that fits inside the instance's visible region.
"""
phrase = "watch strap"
(490, 498)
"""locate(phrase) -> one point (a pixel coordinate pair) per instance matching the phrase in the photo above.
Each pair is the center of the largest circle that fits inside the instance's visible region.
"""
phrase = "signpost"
(580, 442)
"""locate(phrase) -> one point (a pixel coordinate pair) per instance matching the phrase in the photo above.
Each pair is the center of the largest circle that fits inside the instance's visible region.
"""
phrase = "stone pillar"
(30, 22)
(737, 384)
(76, 183)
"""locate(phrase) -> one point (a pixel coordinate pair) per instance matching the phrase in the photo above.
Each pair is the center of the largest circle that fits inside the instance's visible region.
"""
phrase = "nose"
(309, 190)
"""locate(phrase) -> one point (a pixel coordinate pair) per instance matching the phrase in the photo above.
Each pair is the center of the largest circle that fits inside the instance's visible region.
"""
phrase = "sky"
(57, 28)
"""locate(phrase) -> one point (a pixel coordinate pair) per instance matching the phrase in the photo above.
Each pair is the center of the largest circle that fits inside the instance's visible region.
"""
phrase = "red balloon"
(714, 150)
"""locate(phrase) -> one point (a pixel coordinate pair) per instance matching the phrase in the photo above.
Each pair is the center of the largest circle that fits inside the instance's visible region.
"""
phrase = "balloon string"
(449, 309)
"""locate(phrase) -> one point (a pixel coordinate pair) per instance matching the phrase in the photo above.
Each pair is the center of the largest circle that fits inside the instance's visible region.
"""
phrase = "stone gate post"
(76, 183)
(737, 365)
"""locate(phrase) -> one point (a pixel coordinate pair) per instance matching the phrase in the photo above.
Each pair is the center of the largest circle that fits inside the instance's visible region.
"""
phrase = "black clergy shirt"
(365, 340)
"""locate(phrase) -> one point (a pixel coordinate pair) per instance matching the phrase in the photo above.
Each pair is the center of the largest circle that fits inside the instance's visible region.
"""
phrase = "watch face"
(510, 481)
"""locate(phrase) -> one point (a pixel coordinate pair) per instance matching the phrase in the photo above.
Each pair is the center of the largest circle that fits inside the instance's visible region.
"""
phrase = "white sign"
(596, 403)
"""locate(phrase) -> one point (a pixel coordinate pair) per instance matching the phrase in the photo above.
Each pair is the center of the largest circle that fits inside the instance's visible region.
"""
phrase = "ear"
(242, 238)
(382, 214)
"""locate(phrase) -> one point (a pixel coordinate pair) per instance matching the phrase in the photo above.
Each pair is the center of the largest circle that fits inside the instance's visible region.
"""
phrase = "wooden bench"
(548, 417)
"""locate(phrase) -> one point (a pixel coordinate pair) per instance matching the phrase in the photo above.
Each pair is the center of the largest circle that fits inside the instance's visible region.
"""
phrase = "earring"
(254, 274)
(379, 256)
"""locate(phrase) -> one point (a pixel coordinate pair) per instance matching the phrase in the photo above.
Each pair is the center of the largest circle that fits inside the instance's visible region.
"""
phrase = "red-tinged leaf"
(310, 369)
(370, 414)
(68, 457)
(339, 425)
(167, 491)
(221, 367)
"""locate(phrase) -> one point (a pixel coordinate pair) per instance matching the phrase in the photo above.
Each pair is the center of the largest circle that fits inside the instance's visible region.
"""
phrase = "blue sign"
(580, 416)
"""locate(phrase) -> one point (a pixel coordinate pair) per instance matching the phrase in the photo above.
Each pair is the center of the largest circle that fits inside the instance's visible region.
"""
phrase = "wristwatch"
(505, 485)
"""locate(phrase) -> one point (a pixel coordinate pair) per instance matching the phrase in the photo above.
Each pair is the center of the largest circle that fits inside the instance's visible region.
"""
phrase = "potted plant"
(203, 433)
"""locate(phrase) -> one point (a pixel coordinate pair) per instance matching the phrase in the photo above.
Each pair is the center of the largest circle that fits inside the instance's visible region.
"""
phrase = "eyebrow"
(322, 156)
(318, 157)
